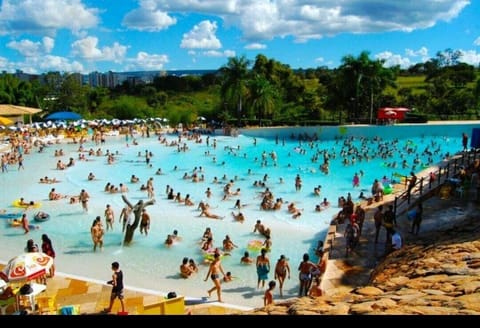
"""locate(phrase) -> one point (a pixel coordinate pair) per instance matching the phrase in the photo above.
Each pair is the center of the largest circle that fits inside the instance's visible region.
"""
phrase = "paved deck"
(344, 272)
(92, 297)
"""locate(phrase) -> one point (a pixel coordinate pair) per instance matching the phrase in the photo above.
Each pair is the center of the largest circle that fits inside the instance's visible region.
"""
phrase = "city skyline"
(84, 36)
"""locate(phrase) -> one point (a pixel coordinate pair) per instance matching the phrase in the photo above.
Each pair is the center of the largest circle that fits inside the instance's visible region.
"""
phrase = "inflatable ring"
(41, 217)
(17, 203)
(16, 223)
(255, 245)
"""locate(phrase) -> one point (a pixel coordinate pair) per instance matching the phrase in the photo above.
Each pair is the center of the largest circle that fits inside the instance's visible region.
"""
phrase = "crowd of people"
(309, 272)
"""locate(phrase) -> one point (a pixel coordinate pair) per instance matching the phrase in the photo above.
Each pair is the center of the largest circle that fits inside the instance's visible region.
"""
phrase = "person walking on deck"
(117, 287)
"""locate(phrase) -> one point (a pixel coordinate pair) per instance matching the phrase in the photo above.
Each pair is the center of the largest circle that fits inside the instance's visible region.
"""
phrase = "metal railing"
(425, 185)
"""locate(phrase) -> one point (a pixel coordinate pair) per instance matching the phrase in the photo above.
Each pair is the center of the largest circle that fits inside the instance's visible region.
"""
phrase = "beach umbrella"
(26, 266)
(5, 121)
(63, 116)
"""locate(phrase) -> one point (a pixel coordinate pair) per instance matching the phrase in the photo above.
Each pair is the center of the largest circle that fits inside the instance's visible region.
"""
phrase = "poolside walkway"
(345, 273)
(91, 297)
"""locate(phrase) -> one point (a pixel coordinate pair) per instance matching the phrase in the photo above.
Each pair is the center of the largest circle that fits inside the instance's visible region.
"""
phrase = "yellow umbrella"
(5, 121)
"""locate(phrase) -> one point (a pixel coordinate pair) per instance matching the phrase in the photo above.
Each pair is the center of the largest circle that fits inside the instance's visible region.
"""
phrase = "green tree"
(72, 95)
(96, 97)
(364, 80)
(263, 98)
(16, 92)
(234, 82)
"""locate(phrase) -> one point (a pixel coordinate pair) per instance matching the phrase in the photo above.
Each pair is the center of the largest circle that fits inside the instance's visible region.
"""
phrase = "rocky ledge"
(437, 273)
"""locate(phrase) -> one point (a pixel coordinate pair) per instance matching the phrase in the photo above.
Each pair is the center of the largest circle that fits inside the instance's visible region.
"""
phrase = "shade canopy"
(26, 266)
(15, 110)
(63, 116)
(5, 121)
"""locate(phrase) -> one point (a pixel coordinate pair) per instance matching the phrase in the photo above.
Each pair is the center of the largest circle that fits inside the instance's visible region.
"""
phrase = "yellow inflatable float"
(210, 254)
(255, 245)
(21, 203)
(18, 223)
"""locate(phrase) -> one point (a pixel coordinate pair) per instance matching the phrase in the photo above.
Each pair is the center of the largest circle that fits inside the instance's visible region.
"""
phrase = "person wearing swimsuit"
(282, 269)
(306, 267)
(214, 273)
(263, 267)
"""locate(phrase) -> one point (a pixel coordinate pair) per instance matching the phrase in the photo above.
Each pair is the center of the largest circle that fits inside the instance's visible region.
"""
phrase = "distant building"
(112, 79)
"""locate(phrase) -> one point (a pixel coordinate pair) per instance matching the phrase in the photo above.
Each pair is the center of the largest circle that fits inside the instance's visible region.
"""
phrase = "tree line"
(267, 92)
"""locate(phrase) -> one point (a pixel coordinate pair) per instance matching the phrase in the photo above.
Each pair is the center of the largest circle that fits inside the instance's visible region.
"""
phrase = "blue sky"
(38, 36)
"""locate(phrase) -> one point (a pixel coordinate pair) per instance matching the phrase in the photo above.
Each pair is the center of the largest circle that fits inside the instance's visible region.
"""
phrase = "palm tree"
(234, 82)
(363, 78)
(263, 97)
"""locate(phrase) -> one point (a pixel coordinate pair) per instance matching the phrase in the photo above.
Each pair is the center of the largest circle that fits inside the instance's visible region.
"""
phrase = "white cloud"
(421, 56)
(87, 49)
(255, 46)
(37, 65)
(202, 36)
(229, 53)
(422, 53)
(470, 57)
(219, 7)
(145, 61)
(144, 19)
(57, 63)
(45, 17)
(477, 41)
(319, 60)
(28, 48)
(48, 44)
(392, 59)
(212, 53)
(216, 53)
(313, 19)
(6, 65)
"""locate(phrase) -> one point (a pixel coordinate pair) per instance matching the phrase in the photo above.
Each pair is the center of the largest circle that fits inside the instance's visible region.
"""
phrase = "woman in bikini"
(306, 267)
(282, 270)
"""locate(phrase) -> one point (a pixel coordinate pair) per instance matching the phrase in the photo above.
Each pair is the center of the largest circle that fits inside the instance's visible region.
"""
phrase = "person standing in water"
(263, 267)
(465, 141)
(83, 198)
(306, 267)
(268, 297)
(214, 273)
(282, 271)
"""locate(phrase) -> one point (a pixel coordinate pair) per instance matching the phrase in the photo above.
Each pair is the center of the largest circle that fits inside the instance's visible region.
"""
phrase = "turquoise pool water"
(147, 263)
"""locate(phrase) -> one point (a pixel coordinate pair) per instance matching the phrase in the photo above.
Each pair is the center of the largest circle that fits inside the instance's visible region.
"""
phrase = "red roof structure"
(392, 113)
